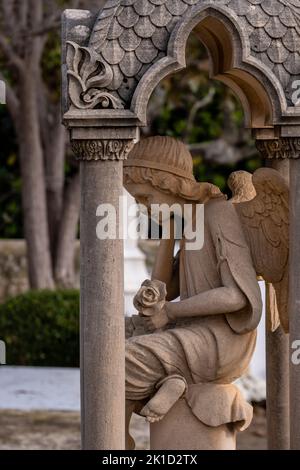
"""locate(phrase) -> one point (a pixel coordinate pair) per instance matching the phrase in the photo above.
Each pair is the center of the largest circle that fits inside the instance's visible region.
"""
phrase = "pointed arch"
(218, 28)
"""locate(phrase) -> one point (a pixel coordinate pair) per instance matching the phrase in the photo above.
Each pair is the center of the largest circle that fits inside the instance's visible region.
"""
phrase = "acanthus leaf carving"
(88, 76)
(102, 149)
(285, 148)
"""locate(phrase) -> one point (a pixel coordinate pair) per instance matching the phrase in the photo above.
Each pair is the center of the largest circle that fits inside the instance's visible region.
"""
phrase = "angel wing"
(262, 203)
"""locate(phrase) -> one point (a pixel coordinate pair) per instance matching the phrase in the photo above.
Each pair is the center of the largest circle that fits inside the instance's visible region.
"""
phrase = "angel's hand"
(157, 321)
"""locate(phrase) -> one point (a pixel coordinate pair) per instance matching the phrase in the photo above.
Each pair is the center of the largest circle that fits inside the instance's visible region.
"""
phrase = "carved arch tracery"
(114, 61)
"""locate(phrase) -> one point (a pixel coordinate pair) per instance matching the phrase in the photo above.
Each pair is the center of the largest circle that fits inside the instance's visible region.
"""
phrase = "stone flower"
(151, 294)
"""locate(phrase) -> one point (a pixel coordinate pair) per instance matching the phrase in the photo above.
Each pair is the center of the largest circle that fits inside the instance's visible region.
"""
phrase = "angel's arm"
(226, 299)
(165, 269)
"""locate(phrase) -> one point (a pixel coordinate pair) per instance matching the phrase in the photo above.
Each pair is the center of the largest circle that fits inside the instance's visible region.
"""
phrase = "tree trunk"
(33, 188)
(64, 269)
(55, 175)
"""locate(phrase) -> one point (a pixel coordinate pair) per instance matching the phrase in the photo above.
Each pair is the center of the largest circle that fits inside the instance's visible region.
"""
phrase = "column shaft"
(294, 300)
(277, 356)
(277, 367)
(102, 313)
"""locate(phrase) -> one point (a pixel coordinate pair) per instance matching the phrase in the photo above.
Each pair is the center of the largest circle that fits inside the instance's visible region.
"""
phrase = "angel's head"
(159, 170)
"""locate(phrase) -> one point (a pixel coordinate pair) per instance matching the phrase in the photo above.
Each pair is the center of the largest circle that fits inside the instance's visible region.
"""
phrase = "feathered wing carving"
(265, 219)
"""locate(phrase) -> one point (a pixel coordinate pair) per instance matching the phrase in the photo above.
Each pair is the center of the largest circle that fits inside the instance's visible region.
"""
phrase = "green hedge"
(41, 328)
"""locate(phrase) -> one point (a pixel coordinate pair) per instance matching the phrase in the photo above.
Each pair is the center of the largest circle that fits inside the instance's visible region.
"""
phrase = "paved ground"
(39, 388)
(27, 396)
(61, 431)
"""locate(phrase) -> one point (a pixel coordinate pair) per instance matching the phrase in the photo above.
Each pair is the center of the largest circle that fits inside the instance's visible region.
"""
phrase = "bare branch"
(64, 269)
(51, 8)
(10, 54)
(36, 12)
(221, 152)
(22, 9)
(8, 16)
(44, 28)
(196, 108)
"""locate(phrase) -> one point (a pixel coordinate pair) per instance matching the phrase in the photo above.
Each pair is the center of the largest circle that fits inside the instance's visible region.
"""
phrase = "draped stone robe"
(211, 350)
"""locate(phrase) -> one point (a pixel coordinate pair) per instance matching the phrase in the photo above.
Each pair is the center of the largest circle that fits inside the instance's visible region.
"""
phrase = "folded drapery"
(217, 404)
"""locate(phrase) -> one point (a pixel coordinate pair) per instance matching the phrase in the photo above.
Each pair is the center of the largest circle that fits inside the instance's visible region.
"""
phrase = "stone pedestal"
(207, 418)
(181, 430)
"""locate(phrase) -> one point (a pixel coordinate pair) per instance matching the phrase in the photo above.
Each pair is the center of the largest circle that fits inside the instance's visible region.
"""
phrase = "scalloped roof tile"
(135, 34)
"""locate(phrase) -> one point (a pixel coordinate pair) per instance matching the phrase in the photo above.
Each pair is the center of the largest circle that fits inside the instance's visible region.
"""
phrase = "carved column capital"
(283, 148)
(102, 149)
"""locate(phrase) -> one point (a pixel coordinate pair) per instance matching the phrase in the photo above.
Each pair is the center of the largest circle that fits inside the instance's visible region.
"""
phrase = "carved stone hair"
(167, 165)
(241, 185)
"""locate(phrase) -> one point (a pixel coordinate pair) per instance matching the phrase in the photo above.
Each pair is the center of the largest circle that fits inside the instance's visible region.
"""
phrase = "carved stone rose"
(151, 294)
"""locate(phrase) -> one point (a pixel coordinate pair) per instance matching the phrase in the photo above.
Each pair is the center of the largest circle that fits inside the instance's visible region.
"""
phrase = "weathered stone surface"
(280, 148)
(92, 150)
(294, 302)
(144, 28)
(261, 203)
(121, 56)
(102, 311)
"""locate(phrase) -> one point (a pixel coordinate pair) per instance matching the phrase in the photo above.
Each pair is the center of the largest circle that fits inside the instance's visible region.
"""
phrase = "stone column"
(277, 367)
(287, 148)
(102, 296)
(294, 298)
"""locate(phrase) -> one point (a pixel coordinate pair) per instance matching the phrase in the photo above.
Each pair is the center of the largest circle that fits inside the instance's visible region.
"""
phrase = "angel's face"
(150, 197)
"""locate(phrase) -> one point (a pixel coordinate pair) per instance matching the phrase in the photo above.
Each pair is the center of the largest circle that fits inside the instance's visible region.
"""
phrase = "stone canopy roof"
(108, 55)
(131, 35)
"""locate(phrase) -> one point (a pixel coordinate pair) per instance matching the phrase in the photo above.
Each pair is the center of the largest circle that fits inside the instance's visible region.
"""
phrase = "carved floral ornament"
(130, 36)
(89, 150)
(88, 74)
(279, 148)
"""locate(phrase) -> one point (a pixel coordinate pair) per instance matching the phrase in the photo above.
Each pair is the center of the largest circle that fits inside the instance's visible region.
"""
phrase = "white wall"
(258, 364)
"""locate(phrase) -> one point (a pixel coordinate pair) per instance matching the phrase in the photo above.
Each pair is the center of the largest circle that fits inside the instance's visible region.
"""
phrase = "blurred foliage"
(11, 225)
(170, 109)
(41, 328)
(51, 65)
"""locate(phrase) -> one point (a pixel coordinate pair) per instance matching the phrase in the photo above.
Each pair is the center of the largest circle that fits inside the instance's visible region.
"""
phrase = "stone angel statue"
(193, 349)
